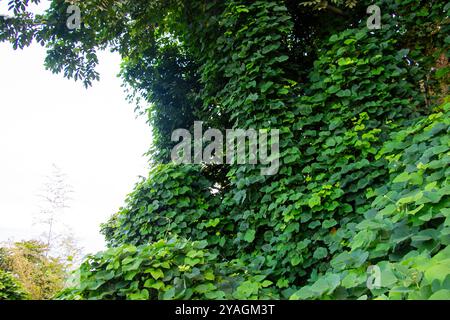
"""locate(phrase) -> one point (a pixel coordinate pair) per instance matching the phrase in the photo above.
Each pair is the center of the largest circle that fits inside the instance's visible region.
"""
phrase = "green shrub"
(175, 269)
(10, 289)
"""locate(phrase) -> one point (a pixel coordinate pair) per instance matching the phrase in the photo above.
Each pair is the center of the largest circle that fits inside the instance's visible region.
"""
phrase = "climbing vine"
(364, 148)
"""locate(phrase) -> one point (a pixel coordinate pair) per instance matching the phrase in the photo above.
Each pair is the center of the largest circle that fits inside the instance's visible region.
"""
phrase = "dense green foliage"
(153, 207)
(174, 269)
(407, 223)
(364, 146)
(10, 288)
(39, 275)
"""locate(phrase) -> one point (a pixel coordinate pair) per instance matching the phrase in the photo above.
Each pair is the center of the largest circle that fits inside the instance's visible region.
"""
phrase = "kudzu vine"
(364, 147)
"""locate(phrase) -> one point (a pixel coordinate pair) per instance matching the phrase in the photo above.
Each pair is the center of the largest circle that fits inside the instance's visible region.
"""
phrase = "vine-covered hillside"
(360, 205)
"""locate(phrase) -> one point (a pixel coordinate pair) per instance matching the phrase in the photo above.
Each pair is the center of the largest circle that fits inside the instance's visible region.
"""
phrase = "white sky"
(92, 135)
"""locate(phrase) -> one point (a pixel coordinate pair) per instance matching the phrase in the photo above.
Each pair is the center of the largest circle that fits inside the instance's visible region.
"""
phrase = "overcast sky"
(92, 135)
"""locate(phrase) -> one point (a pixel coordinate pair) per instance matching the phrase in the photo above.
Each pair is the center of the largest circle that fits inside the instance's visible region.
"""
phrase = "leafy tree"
(363, 117)
(40, 276)
(10, 289)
